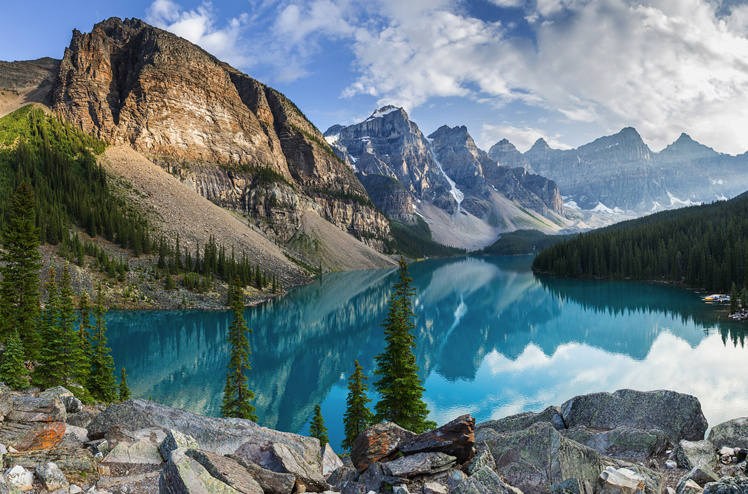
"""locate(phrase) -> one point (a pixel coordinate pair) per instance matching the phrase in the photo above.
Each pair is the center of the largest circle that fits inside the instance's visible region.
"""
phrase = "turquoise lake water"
(493, 340)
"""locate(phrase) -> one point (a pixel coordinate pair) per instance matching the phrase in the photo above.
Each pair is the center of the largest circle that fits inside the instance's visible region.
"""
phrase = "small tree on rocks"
(101, 381)
(124, 391)
(317, 427)
(13, 372)
(357, 415)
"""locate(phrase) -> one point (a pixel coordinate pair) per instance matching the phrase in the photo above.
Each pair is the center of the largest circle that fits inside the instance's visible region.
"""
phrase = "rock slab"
(380, 441)
(733, 433)
(227, 471)
(52, 477)
(183, 475)
(455, 438)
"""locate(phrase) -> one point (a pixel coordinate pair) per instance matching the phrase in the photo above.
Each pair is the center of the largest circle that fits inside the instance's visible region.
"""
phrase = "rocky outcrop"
(378, 442)
(223, 133)
(455, 438)
(521, 421)
(733, 433)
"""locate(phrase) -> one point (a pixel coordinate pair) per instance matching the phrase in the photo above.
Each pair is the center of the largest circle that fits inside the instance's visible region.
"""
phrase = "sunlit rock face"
(208, 123)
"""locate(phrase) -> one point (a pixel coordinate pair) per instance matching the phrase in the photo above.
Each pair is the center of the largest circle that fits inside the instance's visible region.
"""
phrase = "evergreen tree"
(124, 391)
(399, 385)
(101, 381)
(70, 353)
(51, 370)
(169, 284)
(744, 298)
(734, 302)
(13, 371)
(317, 427)
(236, 394)
(357, 415)
(21, 261)
(84, 335)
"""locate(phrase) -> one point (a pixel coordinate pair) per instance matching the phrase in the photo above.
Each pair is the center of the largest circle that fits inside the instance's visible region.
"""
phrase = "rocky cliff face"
(620, 171)
(238, 142)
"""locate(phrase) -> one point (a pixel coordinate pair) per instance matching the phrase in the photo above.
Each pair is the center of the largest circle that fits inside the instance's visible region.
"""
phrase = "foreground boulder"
(378, 442)
(31, 436)
(678, 415)
(455, 438)
(183, 475)
(330, 461)
(733, 433)
(620, 481)
(227, 471)
(728, 485)
(521, 421)
(271, 482)
(71, 403)
(30, 409)
(419, 464)
(52, 477)
(307, 475)
(78, 464)
(483, 481)
(689, 454)
(215, 435)
(621, 442)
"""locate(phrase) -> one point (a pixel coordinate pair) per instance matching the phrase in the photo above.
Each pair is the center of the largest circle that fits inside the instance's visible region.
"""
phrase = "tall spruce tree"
(21, 261)
(13, 371)
(124, 391)
(101, 381)
(317, 427)
(51, 370)
(399, 385)
(70, 352)
(84, 333)
(357, 415)
(237, 396)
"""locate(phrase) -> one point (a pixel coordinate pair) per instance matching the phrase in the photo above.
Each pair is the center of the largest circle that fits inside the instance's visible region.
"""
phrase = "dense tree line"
(415, 241)
(523, 242)
(701, 246)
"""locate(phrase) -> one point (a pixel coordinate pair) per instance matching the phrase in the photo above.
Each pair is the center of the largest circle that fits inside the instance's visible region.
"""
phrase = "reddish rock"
(456, 438)
(42, 436)
(380, 441)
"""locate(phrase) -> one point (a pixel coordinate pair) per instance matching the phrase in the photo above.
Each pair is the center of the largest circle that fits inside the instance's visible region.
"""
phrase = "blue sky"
(565, 70)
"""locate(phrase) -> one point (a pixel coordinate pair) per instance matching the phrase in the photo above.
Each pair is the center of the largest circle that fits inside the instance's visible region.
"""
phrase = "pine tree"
(317, 427)
(399, 385)
(236, 394)
(83, 367)
(357, 415)
(13, 371)
(101, 381)
(734, 302)
(21, 261)
(124, 391)
(744, 298)
(51, 370)
(70, 353)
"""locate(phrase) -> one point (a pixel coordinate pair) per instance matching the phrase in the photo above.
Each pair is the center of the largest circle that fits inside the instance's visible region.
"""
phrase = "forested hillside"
(701, 246)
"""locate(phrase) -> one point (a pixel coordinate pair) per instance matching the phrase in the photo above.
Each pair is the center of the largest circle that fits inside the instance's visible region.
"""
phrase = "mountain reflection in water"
(492, 339)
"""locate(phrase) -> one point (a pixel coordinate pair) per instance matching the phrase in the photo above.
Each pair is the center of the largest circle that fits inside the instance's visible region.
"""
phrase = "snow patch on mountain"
(332, 139)
(674, 201)
(602, 208)
(382, 112)
(456, 193)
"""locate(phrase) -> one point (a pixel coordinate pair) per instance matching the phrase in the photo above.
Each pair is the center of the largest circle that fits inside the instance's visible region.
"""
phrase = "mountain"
(463, 194)
(619, 173)
(225, 136)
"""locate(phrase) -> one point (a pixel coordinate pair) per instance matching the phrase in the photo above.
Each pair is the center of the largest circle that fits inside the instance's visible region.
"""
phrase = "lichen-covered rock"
(227, 471)
(288, 460)
(689, 487)
(79, 433)
(483, 458)
(8, 488)
(80, 419)
(455, 438)
(52, 477)
(271, 482)
(176, 440)
(733, 433)
(141, 452)
(621, 442)
(728, 485)
(72, 404)
(20, 477)
(701, 474)
(620, 481)
(341, 476)
(78, 464)
(380, 441)
(30, 409)
(484, 481)
(183, 475)
(538, 457)
(330, 461)
(434, 488)
(6, 401)
(373, 477)
(32, 436)
(572, 486)
(521, 421)
(689, 454)
(678, 415)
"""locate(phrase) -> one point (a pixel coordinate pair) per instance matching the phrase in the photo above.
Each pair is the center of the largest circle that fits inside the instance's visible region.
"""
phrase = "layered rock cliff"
(234, 140)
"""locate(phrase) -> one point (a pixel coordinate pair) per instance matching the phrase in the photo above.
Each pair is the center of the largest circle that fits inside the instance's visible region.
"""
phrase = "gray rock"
(482, 458)
(621, 442)
(420, 464)
(373, 477)
(20, 477)
(227, 471)
(572, 486)
(52, 477)
(484, 434)
(733, 433)
(176, 440)
(271, 482)
(689, 487)
(620, 481)
(330, 461)
(6, 400)
(400, 489)
(671, 464)
(80, 419)
(378, 442)
(287, 460)
(455, 438)
(688, 454)
(701, 474)
(728, 485)
(434, 488)
(183, 475)
(354, 488)
(141, 452)
(216, 435)
(8, 488)
(678, 415)
(72, 404)
(669, 490)
(485, 481)
(521, 421)
(30, 409)
(80, 433)
(342, 475)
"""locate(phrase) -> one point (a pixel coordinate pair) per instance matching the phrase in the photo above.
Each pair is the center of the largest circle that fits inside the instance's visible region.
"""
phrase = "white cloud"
(522, 138)
(200, 27)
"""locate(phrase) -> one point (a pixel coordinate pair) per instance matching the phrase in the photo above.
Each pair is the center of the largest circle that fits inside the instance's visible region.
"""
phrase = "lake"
(493, 340)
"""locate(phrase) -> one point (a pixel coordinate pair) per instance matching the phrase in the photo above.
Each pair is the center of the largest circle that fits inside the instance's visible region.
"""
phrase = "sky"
(568, 71)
